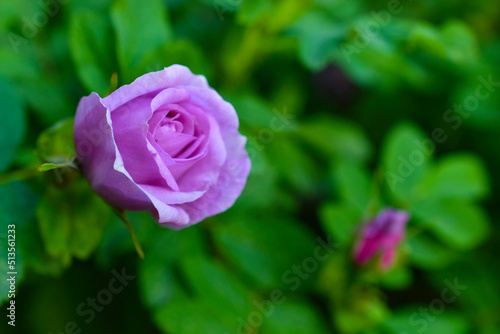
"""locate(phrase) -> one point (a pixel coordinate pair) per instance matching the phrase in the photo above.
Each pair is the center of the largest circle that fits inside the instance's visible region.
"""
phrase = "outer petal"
(130, 129)
(96, 151)
(208, 99)
(365, 250)
(172, 76)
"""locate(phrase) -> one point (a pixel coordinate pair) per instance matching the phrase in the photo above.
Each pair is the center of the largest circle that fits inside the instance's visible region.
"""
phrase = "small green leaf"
(458, 176)
(49, 166)
(456, 222)
(353, 184)
(56, 144)
(406, 156)
(460, 224)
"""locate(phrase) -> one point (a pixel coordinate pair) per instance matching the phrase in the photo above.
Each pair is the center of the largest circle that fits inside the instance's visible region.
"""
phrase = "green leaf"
(459, 176)
(406, 157)
(455, 42)
(353, 184)
(263, 11)
(251, 11)
(460, 224)
(427, 38)
(252, 110)
(294, 317)
(50, 101)
(363, 311)
(12, 124)
(56, 144)
(265, 248)
(130, 17)
(191, 316)
(427, 254)
(17, 206)
(71, 221)
(411, 321)
(319, 38)
(211, 281)
(341, 221)
(456, 222)
(398, 278)
(157, 280)
(294, 164)
(48, 166)
(336, 138)
(178, 52)
(90, 40)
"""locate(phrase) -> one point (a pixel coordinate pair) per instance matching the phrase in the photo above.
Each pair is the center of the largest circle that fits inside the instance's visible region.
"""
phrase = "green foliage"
(12, 123)
(55, 145)
(405, 161)
(258, 247)
(348, 107)
(71, 221)
(130, 17)
(91, 45)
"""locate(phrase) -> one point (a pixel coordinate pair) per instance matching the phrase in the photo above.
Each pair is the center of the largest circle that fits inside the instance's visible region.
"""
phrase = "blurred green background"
(349, 106)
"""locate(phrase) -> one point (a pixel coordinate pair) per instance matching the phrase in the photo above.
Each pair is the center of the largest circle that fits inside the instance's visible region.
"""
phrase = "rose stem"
(121, 214)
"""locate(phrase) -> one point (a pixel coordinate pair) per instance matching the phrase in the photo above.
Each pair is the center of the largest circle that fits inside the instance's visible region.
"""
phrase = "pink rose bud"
(381, 236)
(167, 143)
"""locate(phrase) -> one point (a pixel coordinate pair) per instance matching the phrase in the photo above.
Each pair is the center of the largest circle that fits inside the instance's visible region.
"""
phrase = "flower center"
(171, 123)
(176, 133)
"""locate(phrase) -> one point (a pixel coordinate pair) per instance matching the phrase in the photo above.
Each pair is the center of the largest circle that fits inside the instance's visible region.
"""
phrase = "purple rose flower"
(167, 143)
(381, 236)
